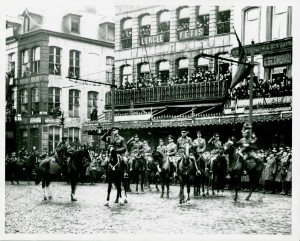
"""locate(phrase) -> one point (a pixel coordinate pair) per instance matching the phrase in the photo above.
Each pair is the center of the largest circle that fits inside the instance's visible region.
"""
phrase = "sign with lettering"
(155, 39)
(266, 47)
(52, 120)
(268, 101)
(190, 34)
(35, 120)
(278, 59)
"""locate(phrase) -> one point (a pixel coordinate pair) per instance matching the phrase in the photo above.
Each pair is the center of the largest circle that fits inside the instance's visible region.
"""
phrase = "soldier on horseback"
(63, 151)
(171, 151)
(116, 142)
(216, 143)
(136, 149)
(161, 147)
(200, 144)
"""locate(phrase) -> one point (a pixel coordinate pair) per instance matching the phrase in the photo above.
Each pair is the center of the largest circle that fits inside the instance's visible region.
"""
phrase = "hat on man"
(198, 131)
(274, 150)
(136, 136)
(13, 153)
(170, 137)
(216, 135)
(161, 139)
(183, 130)
(114, 128)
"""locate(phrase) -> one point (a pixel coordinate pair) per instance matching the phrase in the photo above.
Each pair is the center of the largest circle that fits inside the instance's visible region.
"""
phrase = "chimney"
(90, 9)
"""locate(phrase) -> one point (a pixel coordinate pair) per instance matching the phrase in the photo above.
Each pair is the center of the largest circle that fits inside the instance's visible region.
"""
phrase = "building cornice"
(67, 36)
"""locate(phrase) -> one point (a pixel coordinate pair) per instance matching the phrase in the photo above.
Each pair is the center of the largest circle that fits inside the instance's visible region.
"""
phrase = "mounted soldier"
(200, 144)
(171, 151)
(63, 150)
(184, 143)
(136, 149)
(215, 143)
(116, 142)
(161, 146)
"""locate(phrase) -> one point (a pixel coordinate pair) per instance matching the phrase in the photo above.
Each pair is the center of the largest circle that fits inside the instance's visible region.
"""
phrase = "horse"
(138, 171)
(152, 175)
(49, 167)
(186, 172)
(237, 165)
(163, 168)
(201, 177)
(215, 172)
(115, 175)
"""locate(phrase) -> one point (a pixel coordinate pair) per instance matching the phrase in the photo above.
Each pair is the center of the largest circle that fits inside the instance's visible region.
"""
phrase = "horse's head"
(229, 147)
(158, 156)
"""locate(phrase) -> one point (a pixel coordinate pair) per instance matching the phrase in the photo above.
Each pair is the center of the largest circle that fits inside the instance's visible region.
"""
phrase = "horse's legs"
(181, 196)
(143, 179)
(162, 187)
(188, 187)
(74, 181)
(168, 185)
(48, 181)
(108, 190)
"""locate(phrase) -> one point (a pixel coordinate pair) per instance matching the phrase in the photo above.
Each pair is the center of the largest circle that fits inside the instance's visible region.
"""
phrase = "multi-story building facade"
(158, 49)
(51, 52)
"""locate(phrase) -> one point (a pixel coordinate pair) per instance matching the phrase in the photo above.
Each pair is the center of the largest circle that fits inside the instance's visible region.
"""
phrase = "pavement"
(145, 213)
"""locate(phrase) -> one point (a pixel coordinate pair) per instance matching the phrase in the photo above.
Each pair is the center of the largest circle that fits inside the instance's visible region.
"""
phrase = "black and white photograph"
(136, 120)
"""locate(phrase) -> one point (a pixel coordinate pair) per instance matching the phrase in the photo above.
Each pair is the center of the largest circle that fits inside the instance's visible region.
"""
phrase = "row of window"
(252, 20)
(30, 62)
(54, 135)
(183, 23)
(162, 68)
(54, 101)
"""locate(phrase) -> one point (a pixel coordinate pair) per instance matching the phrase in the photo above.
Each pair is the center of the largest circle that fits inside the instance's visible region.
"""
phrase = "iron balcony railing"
(169, 94)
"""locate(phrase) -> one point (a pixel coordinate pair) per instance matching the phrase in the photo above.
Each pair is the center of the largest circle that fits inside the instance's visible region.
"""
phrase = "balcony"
(162, 95)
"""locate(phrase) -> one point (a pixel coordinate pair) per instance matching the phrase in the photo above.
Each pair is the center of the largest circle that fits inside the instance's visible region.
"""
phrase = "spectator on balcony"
(127, 84)
(121, 87)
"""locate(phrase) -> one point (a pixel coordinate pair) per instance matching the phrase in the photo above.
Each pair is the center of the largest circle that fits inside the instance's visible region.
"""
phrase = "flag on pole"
(243, 70)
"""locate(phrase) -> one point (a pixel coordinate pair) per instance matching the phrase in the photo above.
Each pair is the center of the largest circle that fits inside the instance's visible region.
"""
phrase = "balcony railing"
(169, 94)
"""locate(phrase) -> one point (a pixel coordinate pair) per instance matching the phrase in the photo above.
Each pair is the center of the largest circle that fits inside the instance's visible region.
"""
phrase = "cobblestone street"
(26, 212)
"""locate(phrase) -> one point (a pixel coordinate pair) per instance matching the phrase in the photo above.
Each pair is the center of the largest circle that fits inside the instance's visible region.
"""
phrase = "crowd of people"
(201, 75)
(263, 88)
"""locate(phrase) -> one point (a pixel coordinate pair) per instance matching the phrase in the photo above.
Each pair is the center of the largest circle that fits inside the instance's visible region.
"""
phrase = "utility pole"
(251, 89)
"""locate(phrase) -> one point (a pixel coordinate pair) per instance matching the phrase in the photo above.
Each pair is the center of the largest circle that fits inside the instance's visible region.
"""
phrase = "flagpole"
(251, 89)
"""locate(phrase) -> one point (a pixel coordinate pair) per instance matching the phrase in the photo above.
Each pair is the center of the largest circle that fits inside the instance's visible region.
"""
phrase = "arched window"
(251, 22)
(201, 64)
(54, 60)
(53, 138)
(223, 20)
(183, 19)
(163, 25)
(279, 22)
(74, 100)
(163, 71)
(35, 101)
(145, 26)
(144, 71)
(203, 19)
(92, 102)
(126, 33)
(182, 68)
(54, 95)
(126, 74)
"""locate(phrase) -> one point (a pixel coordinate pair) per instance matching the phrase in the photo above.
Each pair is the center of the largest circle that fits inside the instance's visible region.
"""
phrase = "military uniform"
(200, 144)
(162, 148)
(62, 149)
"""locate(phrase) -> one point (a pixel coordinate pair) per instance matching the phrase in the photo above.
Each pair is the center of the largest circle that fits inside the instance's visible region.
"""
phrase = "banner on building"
(278, 59)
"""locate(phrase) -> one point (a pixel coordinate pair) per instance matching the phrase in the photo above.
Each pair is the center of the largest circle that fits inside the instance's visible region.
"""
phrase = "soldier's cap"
(247, 126)
(274, 150)
(114, 128)
(198, 131)
(170, 137)
(216, 134)
(13, 153)
(64, 138)
(136, 136)
(183, 130)
(161, 139)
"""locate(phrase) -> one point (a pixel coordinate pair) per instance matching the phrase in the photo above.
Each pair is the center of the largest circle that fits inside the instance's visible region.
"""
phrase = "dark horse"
(48, 167)
(152, 174)
(215, 171)
(138, 171)
(237, 165)
(115, 175)
(163, 167)
(202, 175)
(186, 173)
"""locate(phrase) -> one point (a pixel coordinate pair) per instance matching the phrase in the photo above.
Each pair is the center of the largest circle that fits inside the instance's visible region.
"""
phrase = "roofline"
(68, 36)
